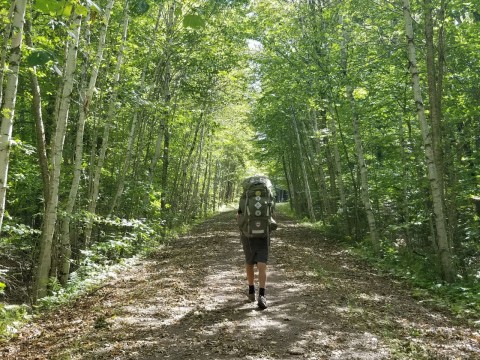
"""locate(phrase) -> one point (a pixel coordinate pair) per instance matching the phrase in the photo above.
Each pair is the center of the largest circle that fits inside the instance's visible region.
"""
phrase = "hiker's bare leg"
(250, 273)
(262, 274)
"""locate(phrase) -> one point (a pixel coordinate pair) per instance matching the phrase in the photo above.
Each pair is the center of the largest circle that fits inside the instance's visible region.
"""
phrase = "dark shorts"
(255, 249)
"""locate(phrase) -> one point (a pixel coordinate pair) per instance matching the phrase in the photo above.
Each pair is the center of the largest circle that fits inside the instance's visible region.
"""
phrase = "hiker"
(254, 217)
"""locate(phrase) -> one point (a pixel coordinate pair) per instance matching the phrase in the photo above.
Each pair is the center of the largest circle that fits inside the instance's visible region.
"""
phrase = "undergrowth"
(123, 246)
(419, 271)
(462, 297)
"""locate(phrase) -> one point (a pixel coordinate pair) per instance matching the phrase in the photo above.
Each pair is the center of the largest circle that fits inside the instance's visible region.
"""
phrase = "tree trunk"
(338, 167)
(216, 185)
(61, 119)
(192, 206)
(206, 189)
(433, 93)
(165, 164)
(167, 97)
(92, 206)
(308, 196)
(133, 128)
(363, 174)
(4, 50)
(291, 193)
(343, 58)
(443, 248)
(364, 190)
(182, 194)
(331, 196)
(156, 156)
(313, 152)
(84, 101)
(404, 203)
(10, 97)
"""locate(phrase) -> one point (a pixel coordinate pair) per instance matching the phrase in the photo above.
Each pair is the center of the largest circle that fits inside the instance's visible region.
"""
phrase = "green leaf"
(67, 10)
(193, 21)
(59, 7)
(52, 7)
(7, 113)
(81, 10)
(39, 58)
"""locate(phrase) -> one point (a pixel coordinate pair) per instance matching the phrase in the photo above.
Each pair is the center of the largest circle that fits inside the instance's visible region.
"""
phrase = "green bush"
(10, 316)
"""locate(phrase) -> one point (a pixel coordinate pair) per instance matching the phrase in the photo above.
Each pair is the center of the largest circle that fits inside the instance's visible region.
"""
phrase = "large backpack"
(256, 206)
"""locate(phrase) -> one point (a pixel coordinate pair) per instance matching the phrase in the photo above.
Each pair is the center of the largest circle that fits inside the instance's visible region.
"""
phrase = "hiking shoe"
(251, 297)
(262, 302)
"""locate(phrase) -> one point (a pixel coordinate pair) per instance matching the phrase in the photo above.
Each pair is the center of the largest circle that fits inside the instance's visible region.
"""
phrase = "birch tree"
(135, 120)
(362, 166)
(338, 166)
(86, 97)
(308, 195)
(56, 158)
(106, 130)
(4, 49)
(10, 96)
(434, 80)
(163, 83)
(442, 243)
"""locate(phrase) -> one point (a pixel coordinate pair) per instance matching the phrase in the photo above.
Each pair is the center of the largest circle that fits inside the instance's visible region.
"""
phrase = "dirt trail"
(189, 302)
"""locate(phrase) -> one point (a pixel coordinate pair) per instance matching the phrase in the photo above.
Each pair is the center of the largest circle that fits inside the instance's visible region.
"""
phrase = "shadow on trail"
(189, 302)
(197, 306)
(322, 304)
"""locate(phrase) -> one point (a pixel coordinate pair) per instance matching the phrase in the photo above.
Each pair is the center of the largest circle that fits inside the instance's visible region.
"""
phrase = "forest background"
(123, 121)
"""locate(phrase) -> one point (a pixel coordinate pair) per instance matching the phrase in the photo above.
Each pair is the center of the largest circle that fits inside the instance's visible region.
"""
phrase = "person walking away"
(254, 217)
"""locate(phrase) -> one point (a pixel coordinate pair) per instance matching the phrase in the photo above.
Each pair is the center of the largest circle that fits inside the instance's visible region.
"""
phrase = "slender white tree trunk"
(106, 131)
(56, 157)
(444, 250)
(85, 100)
(9, 98)
(4, 50)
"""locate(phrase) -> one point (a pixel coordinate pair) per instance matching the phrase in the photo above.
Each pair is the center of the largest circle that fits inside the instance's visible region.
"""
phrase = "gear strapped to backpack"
(256, 206)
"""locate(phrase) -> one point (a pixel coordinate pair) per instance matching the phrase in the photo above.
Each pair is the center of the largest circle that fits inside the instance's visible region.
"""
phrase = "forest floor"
(188, 301)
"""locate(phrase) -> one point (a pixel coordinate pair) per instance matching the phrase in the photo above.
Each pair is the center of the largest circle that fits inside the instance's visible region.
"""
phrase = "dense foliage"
(164, 139)
(336, 97)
